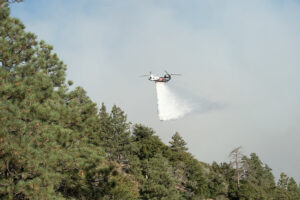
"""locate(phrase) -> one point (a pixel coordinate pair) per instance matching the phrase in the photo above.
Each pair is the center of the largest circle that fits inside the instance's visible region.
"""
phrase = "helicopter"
(165, 78)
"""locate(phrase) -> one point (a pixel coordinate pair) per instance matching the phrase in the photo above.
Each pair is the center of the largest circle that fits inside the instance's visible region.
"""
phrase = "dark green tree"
(283, 181)
(177, 143)
(281, 189)
(49, 136)
(293, 189)
(159, 182)
(115, 131)
(258, 181)
(147, 145)
(54, 144)
(29, 72)
(150, 164)
(217, 183)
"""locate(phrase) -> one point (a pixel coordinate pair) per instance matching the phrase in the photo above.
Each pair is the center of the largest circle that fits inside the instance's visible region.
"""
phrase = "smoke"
(172, 105)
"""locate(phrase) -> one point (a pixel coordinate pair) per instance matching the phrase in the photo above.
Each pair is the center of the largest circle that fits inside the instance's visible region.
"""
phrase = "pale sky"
(242, 54)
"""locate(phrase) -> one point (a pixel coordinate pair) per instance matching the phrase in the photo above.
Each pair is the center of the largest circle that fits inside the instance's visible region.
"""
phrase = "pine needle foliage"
(56, 144)
(50, 147)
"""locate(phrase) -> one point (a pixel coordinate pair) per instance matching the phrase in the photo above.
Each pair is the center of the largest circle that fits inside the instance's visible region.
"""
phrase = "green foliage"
(191, 179)
(159, 182)
(287, 188)
(115, 131)
(258, 182)
(54, 144)
(293, 189)
(177, 143)
(50, 147)
(150, 166)
(147, 145)
(217, 183)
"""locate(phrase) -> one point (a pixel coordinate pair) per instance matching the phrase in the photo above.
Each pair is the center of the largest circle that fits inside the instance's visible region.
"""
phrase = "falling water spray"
(170, 105)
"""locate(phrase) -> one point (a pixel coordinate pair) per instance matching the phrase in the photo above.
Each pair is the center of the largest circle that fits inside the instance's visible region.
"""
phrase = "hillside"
(56, 144)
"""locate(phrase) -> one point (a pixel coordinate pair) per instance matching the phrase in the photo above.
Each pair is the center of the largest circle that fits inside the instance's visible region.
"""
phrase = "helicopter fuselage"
(164, 78)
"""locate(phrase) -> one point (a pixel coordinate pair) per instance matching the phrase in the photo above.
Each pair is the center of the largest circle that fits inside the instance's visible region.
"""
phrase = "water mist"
(170, 105)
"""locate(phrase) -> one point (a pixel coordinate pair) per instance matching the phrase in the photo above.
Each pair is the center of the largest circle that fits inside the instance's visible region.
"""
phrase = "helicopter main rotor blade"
(176, 74)
(150, 73)
(172, 74)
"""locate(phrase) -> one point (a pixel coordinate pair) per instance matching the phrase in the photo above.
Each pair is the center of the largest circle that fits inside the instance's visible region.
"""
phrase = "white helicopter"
(165, 78)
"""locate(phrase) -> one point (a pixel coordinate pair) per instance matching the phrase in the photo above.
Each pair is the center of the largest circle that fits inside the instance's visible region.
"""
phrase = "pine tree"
(49, 136)
(29, 73)
(147, 145)
(293, 189)
(217, 181)
(120, 134)
(159, 182)
(54, 144)
(177, 143)
(115, 131)
(283, 181)
(281, 189)
(258, 181)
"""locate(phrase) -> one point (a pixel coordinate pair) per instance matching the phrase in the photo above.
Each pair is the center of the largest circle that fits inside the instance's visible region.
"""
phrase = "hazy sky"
(243, 54)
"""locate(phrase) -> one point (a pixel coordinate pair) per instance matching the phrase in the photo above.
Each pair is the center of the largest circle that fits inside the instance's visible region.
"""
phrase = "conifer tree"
(115, 131)
(188, 172)
(54, 144)
(29, 72)
(147, 144)
(283, 181)
(281, 189)
(49, 148)
(293, 189)
(217, 181)
(177, 143)
(159, 182)
(120, 134)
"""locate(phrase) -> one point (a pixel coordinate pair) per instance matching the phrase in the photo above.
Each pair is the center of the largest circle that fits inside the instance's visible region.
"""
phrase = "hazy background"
(243, 54)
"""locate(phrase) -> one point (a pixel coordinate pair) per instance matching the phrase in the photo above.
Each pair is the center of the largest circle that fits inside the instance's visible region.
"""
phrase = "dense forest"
(56, 144)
